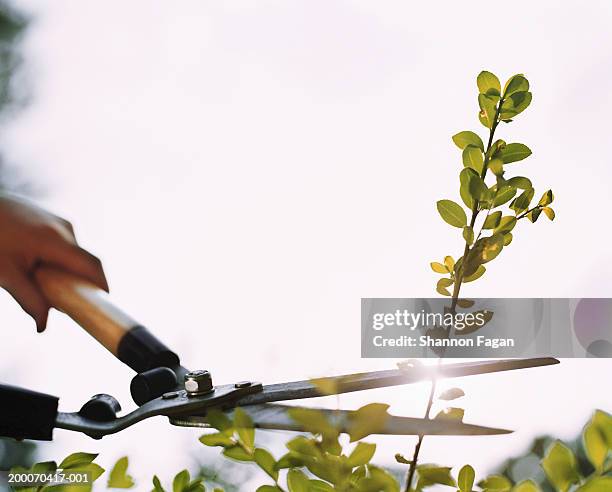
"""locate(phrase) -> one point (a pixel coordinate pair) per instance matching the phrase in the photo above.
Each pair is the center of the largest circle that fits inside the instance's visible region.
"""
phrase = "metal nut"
(198, 383)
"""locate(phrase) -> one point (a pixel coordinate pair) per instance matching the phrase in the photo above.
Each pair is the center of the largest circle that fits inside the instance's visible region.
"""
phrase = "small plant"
(484, 201)
(489, 228)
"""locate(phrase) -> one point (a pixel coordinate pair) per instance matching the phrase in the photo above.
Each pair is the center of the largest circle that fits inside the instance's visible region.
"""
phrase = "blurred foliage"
(12, 25)
(13, 95)
(317, 462)
(16, 453)
(528, 464)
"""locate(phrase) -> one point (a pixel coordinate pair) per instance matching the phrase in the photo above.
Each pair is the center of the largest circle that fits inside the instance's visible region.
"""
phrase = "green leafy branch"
(317, 462)
(480, 197)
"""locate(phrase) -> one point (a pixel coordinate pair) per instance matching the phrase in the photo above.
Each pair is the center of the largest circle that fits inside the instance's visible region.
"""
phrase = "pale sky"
(249, 170)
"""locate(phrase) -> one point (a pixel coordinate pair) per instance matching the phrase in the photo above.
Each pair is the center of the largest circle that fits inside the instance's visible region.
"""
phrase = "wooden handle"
(86, 304)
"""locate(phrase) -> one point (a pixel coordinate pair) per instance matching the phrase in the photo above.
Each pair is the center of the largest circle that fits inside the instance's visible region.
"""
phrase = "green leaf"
(268, 488)
(472, 157)
(516, 83)
(504, 194)
(465, 480)
(560, 466)
(468, 235)
(488, 110)
(369, 419)
(304, 446)
(526, 486)
(217, 439)
(478, 189)
(118, 478)
(431, 475)
(266, 462)
(449, 263)
(451, 413)
(290, 460)
(496, 148)
(603, 421)
(244, 428)
(492, 221)
(507, 238)
(506, 224)
(515, 104)
(595, 445)
(297, 481)
(44, 467)
(181, 481)
(77, 459)
(402, 459)
(514, 152)
(463, 139)
(451, 394)
(547, 198)
(195, 486)
(220, 421)
(521, 101)
(549, 212)
(486, 249)
(330, 444)
(438, 267)
(452, 213)
(534, 214)
(476, 275)
(378, 480)
(157, 486)
(520, 182)
(465, 177)
(495, 483)
(320, 486)
(237, 453)
(496, 166)
(442, 286)
(326, 386)
(488, 83)
(313, 420)
(597, 484)
(362, 454)
(521, 202)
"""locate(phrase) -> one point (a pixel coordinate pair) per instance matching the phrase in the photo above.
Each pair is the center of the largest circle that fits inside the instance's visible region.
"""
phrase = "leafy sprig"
(484, 193)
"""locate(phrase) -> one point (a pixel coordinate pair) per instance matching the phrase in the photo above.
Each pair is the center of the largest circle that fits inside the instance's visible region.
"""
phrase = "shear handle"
(92, 308)
(26, 414)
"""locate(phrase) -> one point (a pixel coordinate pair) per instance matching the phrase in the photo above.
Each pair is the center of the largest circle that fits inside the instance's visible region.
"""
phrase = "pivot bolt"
(198, 383)
(242, 384)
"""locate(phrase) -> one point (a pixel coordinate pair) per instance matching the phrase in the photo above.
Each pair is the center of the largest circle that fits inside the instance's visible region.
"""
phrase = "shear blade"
(379, 379)
(276, 417)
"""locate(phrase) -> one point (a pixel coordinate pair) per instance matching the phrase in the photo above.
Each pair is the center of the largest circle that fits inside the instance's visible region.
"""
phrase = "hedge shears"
(163, 386)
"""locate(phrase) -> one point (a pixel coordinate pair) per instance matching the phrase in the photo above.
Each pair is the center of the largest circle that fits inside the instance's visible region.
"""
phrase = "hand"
(31, 236)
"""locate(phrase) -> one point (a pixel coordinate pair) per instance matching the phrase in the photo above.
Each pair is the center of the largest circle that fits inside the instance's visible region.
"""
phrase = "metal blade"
(275, 416)
(379, 379)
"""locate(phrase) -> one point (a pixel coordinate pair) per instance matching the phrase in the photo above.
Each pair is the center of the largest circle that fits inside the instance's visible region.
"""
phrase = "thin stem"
(475, 211)
(524, 214)
(455, 298)
(417, 448)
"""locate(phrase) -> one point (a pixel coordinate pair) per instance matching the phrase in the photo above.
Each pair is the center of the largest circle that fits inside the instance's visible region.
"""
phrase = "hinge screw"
(198, 383)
